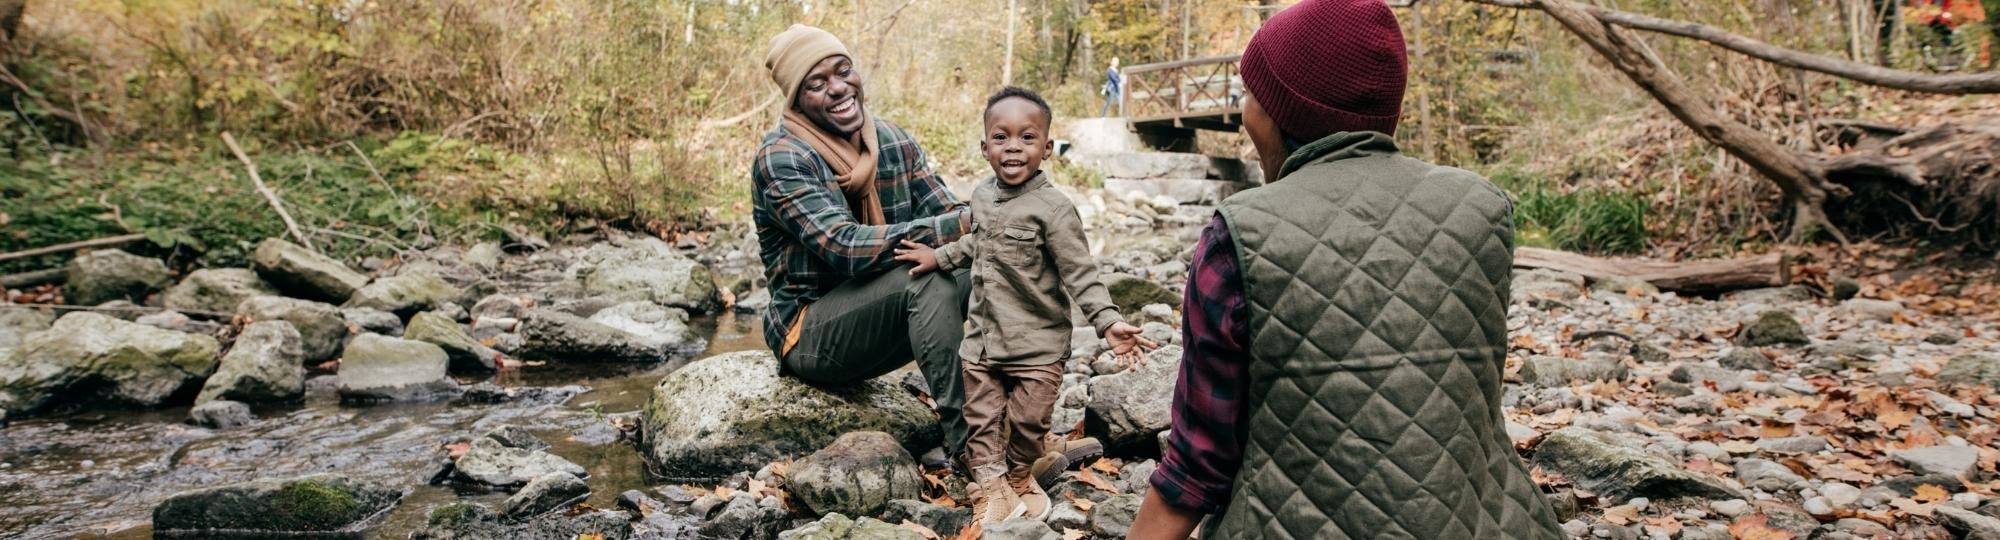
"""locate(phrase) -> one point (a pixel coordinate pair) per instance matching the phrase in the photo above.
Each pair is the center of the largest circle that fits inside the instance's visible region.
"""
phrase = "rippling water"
(98, 473)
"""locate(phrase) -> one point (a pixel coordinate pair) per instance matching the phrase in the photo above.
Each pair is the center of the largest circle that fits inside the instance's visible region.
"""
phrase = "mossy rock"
(1773, 328)
(1132, 293)
(1616, 470)
(322, 503)
(108, 274)
(646, 269)
(215, 290)
(86, 355)
(733, 412)
(405, 294)
(305, 273)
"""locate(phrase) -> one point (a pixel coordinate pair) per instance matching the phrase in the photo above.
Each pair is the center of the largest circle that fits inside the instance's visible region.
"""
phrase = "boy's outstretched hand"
(923, 256)
(1126, 344)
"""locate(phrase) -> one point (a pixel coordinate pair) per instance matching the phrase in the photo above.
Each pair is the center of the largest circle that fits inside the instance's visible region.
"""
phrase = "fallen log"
(72, 246)
(1697, 277)
(29, 279)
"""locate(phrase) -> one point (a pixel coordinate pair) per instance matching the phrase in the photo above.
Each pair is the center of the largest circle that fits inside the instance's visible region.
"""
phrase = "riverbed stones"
(1544, 285)
(373, 321)
(1773, 327)
(839, 527)
(858, 474)
(1766, 475)
(1556, 371)
(263, 365)
(108, 274)
(645, 268)
(546, 493)
(1619, 470)
(492, 463)
(732, 412)
(627, 332)
(320, 503)
(465, 353)
(1129, 409)
(215, 290)
(945, 521)
(1956, 461)
(405, 294)
(382, 368)
(1113, 518)
(1133, 293)
(305, 273)
(322, 327)
(1967, 523)
(221, 414)
(1870, 309)
(86, 354)
(1971, 370)
(1020, 529)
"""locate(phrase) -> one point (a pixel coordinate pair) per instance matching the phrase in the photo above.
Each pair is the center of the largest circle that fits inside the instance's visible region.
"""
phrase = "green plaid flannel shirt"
(808, 238)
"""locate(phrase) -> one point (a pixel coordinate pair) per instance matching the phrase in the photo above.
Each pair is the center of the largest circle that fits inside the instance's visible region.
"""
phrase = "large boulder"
(323, 503)
(732, 412)
(1617, 470)
(1133, 293)
(263, 365)
(86, 354)
(465, 353)
(215, 290)
(405, 294)
(628, 332)
(1958, 461)
(305, 273)
(858, 474)
(16, 323)
(382, 368)
(1129, 409)
(839, 527)
(491, 462)
(645, 269)
(108, 274)
(322, 328)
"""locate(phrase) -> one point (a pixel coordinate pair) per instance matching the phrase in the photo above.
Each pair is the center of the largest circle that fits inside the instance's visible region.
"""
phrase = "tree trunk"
(1007, 69)
(10, 19)
(1799, 180)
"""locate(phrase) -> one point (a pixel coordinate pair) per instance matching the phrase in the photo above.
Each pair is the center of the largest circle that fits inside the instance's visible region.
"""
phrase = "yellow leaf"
(1104, 466)
(1621, 515)
(589, 536)
(1073, 534)
(1738, 447)
(1896, 418)
(1928, 493)
(1096, 481)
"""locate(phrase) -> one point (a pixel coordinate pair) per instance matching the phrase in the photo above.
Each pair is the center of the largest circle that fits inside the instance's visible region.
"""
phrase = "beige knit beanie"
(794, 52)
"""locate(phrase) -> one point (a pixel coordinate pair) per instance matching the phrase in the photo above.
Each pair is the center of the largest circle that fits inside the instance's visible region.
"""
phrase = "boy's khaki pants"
(1007, 409)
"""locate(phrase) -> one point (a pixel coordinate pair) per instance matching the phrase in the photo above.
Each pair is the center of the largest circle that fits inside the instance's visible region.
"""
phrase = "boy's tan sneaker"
(995, 501)
(1035, 503)
(1062, 455)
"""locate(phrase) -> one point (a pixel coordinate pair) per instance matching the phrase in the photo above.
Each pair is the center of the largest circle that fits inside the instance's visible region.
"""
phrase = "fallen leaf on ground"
(1096, 481)
(1757, 527)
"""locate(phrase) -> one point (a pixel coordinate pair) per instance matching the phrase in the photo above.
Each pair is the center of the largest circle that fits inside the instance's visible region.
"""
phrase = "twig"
(30, 279)
(59, 248)
(117, 214)
(276, 204)
(733, 120)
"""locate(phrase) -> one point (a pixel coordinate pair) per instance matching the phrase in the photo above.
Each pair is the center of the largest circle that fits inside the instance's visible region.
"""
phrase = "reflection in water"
(98, 473)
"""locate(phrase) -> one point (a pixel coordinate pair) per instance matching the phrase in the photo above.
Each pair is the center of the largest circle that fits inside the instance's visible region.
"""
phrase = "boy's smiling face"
(1016, 139)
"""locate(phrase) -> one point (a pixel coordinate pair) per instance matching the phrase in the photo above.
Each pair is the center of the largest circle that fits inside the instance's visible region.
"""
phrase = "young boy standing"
(1029, 263)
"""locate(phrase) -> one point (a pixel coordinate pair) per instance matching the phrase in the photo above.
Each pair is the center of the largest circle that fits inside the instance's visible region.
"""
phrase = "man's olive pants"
(872, 325)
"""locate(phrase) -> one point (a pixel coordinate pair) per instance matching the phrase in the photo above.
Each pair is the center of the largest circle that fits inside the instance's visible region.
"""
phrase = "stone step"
(1184, 190)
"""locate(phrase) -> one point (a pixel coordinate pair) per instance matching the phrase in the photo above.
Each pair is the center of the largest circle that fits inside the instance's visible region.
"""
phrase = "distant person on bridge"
(1345, 325)
(834, 190)
(1114, 88)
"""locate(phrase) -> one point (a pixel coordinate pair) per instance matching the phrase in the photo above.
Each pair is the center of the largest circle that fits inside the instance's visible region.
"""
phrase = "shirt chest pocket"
(1019, 246)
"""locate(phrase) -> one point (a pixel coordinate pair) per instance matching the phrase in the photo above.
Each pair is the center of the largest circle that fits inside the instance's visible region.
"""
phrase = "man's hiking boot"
(1062, 455)
(994, 501)
(1034, 502)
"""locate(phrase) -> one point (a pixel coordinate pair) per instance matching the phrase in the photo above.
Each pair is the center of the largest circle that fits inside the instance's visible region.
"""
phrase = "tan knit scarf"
(852, 159)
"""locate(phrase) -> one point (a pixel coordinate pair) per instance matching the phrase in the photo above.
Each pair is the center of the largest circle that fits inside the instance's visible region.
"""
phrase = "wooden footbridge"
(1167, 101)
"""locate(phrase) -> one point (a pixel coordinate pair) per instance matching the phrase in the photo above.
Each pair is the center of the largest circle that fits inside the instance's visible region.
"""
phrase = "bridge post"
(1167, 138)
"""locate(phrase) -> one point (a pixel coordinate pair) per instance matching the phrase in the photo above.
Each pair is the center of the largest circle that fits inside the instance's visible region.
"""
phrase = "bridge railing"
(1197, 90)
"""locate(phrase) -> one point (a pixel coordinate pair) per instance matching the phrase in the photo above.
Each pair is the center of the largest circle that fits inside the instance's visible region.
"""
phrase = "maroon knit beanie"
(1325, 66)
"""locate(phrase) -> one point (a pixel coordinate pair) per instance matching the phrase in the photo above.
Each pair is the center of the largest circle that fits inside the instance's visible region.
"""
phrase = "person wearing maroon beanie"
(1345, 325)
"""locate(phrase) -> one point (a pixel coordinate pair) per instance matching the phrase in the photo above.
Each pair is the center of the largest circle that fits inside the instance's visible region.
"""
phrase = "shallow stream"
(97, 473)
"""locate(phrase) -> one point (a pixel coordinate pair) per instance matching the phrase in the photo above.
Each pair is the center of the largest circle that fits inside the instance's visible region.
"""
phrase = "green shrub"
(1589, 220)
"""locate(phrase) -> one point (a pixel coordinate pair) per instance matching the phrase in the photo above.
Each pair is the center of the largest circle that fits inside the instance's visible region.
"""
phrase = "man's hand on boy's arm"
(921, 255)
(1127, 346)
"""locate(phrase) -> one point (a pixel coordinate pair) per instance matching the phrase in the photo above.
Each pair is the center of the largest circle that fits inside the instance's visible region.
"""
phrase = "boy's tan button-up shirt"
(1029, 262)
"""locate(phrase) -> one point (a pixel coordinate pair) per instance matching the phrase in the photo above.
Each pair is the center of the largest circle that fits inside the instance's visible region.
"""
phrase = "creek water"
(97, 473)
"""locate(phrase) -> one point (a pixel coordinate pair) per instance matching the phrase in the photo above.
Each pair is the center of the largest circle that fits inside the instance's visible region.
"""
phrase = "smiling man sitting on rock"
(835, 189)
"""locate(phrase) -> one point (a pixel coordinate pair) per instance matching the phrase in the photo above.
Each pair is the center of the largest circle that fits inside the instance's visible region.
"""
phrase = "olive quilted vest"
(1377, 288)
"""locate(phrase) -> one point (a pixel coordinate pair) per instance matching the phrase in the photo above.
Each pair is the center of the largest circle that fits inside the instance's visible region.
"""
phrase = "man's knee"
(934, 290)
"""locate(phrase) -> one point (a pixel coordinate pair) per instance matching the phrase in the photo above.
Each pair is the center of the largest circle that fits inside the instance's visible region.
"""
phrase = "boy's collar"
(1008, 192)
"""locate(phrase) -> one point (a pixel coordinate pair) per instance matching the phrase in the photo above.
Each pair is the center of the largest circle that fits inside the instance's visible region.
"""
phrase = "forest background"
(390, 124)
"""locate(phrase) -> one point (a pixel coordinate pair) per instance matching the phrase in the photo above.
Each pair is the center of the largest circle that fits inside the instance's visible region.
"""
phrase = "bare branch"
(1948, 83)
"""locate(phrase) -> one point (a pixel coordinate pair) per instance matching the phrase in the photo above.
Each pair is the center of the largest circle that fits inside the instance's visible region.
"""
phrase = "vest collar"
(1339, 146)
(1007, 193)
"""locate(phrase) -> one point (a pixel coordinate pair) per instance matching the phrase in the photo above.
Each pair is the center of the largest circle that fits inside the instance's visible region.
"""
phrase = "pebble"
(1730, 508)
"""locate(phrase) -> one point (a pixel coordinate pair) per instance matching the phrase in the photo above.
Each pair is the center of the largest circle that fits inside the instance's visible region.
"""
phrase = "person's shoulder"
(781, 141)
